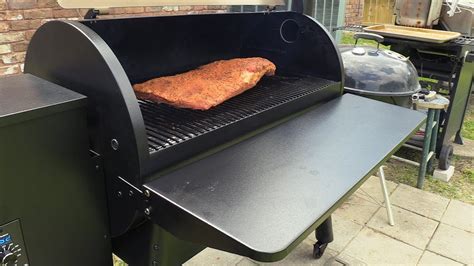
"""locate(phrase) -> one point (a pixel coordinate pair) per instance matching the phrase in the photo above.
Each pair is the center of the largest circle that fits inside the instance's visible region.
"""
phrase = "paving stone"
(373, 188)
(246, 262)
(344, 231)
(210, 256)
(349, 260)
(409, 227)
(419, 201)
(373, 247)
(357, 209)
(460, 215)
(303, 255)
(453, 243)
(430, 258)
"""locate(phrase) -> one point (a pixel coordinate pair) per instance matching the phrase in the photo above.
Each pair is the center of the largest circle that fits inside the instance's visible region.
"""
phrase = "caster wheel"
(318, 250)
(445, 156)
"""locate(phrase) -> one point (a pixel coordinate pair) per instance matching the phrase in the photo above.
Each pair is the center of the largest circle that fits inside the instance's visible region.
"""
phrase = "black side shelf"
(263, 196)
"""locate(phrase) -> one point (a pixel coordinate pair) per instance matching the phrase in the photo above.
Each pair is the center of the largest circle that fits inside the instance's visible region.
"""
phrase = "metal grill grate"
(167, 126)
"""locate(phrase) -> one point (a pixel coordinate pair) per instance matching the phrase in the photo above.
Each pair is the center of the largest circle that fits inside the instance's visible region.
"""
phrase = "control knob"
(9, 254)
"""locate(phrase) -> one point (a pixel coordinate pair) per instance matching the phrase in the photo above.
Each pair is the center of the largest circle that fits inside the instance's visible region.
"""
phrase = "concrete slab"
(373, 247)
(303, 255)
(246, 262)
(460, 215)
(344, 231)
(444, 175)
(409, 227)
(419, 201)
(466, 150)
(453, 243)
(430, 258)
(210, 256)
(357, 209)
(349, 260)
(373, 188)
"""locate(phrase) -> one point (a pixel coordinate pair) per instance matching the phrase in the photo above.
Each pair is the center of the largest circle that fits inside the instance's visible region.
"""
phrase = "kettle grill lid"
(136, 3)
(369, 70)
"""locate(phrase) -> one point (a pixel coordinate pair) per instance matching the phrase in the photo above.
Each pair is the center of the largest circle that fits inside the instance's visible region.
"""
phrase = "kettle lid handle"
(368, 36)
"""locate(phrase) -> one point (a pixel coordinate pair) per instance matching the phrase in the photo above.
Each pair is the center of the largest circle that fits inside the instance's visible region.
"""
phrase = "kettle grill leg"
(324, 236)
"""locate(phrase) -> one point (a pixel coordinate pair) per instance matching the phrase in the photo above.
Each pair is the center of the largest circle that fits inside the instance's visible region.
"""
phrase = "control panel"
(12, 247)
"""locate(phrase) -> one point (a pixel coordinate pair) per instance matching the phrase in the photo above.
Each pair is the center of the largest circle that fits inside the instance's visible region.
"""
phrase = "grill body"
(103, 58)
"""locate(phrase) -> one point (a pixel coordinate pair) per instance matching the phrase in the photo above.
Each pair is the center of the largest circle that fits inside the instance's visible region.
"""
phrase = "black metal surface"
(24, 97)
(194, 131)
(101, 58)
(148, 244)
(49, 183)
(149, 47)
(262, 196)
(378, 72)
(81, 61)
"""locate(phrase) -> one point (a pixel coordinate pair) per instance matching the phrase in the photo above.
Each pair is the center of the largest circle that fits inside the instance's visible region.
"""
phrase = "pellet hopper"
(87, 169)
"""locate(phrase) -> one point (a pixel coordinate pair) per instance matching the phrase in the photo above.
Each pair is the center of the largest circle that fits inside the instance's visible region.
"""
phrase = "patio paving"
(429, 229)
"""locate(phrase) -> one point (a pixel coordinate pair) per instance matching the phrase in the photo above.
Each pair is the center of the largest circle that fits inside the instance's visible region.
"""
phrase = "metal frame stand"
(388, 205)
(429, 145)
(428, 150)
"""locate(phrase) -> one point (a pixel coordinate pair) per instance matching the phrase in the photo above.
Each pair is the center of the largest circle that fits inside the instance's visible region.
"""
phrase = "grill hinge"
(94, 12)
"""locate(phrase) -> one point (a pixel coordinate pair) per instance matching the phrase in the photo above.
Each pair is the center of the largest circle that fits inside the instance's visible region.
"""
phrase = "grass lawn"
(468, 126)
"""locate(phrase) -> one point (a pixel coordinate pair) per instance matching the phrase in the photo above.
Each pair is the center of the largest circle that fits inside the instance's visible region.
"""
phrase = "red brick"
(153, 9)
(20, 25)
(19, 46)
(9, 70)
(127, 10)
(10, 37)
(185, 8)
(199, 8)
(38, 13)
(4, 27)
(5, 48)
(47, 3)
(3, 4)
(11, 15)
(170, 8)
(13, 58)
(21, 4)
(65, 13)
(29, 34)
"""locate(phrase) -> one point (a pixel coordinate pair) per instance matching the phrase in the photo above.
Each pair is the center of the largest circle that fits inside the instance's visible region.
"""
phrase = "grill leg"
(324, 236)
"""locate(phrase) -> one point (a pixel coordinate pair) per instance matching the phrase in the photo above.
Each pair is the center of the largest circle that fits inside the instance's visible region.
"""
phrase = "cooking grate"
(167, 126)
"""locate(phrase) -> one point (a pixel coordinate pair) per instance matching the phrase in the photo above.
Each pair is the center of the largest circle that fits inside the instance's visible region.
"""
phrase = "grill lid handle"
(136, 3)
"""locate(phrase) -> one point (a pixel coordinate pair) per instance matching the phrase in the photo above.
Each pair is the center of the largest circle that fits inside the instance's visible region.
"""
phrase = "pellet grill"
(87, 169)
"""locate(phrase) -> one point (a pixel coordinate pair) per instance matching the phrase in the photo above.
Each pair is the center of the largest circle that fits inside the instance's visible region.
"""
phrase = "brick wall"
(20, 18)
(354, 12)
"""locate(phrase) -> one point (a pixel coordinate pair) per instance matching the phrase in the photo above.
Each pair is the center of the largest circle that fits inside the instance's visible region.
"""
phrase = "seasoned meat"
(208, 85)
